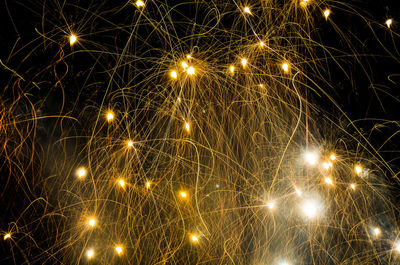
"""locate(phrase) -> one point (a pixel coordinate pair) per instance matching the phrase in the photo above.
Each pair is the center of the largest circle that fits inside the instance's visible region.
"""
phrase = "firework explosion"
(194, 132)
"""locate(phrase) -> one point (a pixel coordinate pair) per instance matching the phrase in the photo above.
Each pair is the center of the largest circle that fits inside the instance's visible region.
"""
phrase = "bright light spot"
(195, 239)
(190, 70)
(397, 246)
(389, 22)
(327, 12)
(174, 74)
(72, 39)
(232, 69)
(304, 3)
(110, 116)
(90, 253)
(311, 208)
(333, 157)
(285, 67)
(299, 192)
(187, 126)
(377, 231)
(247, 10)
(183, 194)
(261, 85)
(92, 222)
(325, 165)
(244, 62)
(353, 186)
(284, 263)
(139, 3)
(358, 170)
(262, 44)
(121, 183)
(81, 172)
(311, 158)
(184, 65)
(130, 143)
(148, 184)
(118, 249)
(329, 181)
(7, 236)
(271, 205)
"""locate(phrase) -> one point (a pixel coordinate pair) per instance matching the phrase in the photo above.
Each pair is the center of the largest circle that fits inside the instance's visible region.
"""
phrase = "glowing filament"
(118, 249)
(174, 74)
(327, 12)
(72, 39)
(7, 236)
(397, 247)
(247, 10)
(190, 70)
(244, 62)
(90, 253)
(110, 116)
(139, 3)
(285, 67)
(187, 126)
(389, 22)
(81, 172)
(298, 192)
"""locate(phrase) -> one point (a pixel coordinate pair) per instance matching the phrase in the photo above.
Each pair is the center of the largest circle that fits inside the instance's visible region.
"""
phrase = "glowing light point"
(389, 22)
(298, 192)
(247, 10)
(262, 44)
(329, 181)
(311, 158)
(304, 3)
(130, 143)
(358, 170)
(148, 184)
(184, 65)
(7, 236)
(92, 222)
(195, 239)
(244, 62)
(188, 56)
(174, 74)
(377, 231)
(311, 208)
(353, 186)
(190, 70)
(271, 205)
(121, 183)
(187, 126)
(285, 67)
(72, 39)
(397, 246)
(284, 263)
(90, 253)
(232, 69)
(110, 116)
(81, 172)
(327, 12)
(119, 250)
(183, 194)
(139, 4)
(332, 157)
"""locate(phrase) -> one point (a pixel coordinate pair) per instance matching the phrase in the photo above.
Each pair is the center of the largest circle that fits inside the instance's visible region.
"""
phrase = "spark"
(358, 170)
(261, 85)
(188, 56)
(148, 184)
(326, 165)
(262, 44)
(90, 253)
(397, 246)
(377, 231)
(183, 194)
(304, 3)
(244, 62)
(389, 22)
(285, 67)
(247, 10)
(72, 39)
(232, 69)
(139, 3)
(195, 239)
(353, 186)
(130, 143)
(284, 263)
(7, 236)
(332, 157)
(271, 205)
(299, 192)
(174, 74)
(327, 12)
(187, 126)
(110, 116)
(118, 249)
(329, 181)
(92, 222)
(190, 70)
(184, 65)
(121, 183)
(311, 158)
(311, 208)
(81, 172)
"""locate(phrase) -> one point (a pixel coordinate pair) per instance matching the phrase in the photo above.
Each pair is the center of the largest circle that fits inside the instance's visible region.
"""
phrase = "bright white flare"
(358, 170)
(90, 253)
(148, 184)
(377, 231)
(389, 22)
(285, 67)
(174, 74)
(190, 70)
(187, 126)
(311, 158)
(130, 143)
(247, 10)
(7, 236)
(72, 39)
(121, 183)
(311, 208)
(118, 249)
(244, 62)
(353, 186)
(397, 246)
(271, 205)
(139, 3)
(110, 116)
(183, 194)
(327, 12)
(329, 181)
(232, 69)
(195, 239)
(81, 172)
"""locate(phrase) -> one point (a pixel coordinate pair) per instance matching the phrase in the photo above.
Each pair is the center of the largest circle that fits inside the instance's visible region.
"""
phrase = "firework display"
(192, 132)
